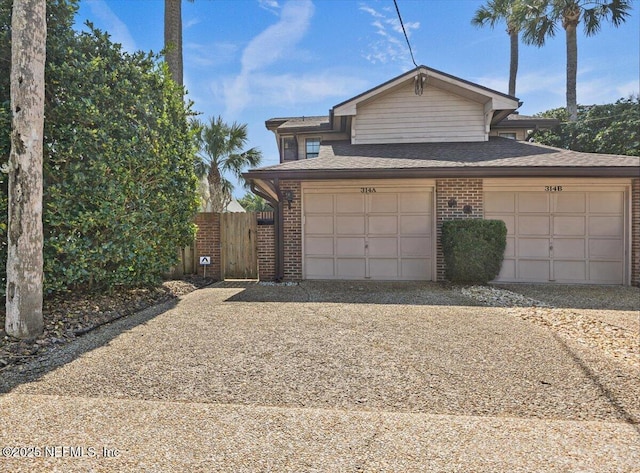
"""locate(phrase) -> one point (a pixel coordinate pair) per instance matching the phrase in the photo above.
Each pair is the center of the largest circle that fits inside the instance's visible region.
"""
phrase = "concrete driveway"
(322, 377)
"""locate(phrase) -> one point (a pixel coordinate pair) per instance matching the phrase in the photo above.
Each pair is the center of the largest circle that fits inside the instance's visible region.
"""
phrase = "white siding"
(403, 117)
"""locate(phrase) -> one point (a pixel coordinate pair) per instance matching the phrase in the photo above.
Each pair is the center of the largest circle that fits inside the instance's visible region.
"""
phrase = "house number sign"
(553, 188)
(368, 190)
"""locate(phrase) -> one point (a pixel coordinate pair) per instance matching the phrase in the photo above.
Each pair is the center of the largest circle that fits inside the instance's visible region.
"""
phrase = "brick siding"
(208, 242)
(292, 231)
(635, 233)
(266, 252)
(466, 192)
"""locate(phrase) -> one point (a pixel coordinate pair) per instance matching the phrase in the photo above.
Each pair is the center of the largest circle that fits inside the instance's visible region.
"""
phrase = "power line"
(405, 33)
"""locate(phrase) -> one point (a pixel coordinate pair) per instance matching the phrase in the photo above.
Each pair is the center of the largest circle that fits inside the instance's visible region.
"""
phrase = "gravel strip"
(144, 436)
(616, 336)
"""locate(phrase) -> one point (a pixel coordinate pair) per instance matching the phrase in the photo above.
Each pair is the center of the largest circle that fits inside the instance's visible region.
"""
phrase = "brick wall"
(292, 231)
(466, 192)
(635, 233)
(266, 252)
(208, 242)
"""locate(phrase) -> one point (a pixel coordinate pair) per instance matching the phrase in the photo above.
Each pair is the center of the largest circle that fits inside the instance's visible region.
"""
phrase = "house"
(362, 193)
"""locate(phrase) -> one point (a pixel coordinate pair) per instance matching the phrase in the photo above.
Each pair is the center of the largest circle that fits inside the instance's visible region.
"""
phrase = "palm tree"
(494, 12)
(173, 38)
(221, 151)
(541, 20)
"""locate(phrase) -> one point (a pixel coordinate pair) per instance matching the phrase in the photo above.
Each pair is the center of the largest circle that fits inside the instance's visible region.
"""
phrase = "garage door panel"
(573, 271)
(533, 247)
(534, 225)
(383, 203)
(416, 202)
(351, 225)
(606, 202)
(500, 202)
(606, 272)
(605, 226)
(415, 246)
(533, 270)
(319, 224)
(584, 228)
(383, 247)
(351, 268)
(385, 234)
(349, 203)
(383, 268)
(415, 224)
(569, 248)
(416, 269)
(569, 225)
(605, 249)
(533, 202)
(510, 250)
(320, 268)
(383, 225)
(318, 203)
(507, 271)
(350, 246)
(571, 202)
(319, 245)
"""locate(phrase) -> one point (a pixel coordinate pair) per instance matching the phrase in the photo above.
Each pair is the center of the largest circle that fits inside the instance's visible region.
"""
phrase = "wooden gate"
(239, 245)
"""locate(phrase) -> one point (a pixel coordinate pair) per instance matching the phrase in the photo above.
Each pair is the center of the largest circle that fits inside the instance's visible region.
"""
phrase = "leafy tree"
(494, 12)
(119, 156)
(24, 256)
(221, 151)
(610, 129)
(254, 203)
(542, 17)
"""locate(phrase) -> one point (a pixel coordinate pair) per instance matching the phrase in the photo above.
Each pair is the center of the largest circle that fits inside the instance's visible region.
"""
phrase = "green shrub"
(119, 160)
(473, 249)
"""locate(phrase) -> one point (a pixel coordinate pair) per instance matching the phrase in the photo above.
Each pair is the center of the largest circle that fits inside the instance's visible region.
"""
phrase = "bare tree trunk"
(25, 239)
(513, 63)
(173, 38)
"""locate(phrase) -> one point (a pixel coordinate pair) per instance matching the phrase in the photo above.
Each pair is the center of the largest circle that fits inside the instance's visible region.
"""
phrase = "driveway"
(323, 377)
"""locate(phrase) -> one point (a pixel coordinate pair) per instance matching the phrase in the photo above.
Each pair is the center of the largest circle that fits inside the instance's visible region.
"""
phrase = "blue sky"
(251, 60)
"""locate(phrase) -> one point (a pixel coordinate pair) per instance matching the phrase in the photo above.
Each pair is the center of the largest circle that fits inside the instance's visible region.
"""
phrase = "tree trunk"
(173, 38)
(25, 239)
(572, 70)
(217, 192)
(513, 63)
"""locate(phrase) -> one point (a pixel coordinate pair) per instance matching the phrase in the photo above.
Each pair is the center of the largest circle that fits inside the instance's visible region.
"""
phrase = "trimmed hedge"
(473, 249)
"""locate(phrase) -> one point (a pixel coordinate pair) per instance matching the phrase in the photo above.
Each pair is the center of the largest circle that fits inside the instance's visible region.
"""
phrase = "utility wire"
(405, 33)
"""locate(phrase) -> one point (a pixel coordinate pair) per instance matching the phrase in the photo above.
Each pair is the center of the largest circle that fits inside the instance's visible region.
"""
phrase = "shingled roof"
(496, 157)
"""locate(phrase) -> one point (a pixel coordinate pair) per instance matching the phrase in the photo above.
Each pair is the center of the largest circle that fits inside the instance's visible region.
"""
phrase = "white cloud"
(267, 48)
(390, 46)
(113, 25)
(270, 5)
(206, 55)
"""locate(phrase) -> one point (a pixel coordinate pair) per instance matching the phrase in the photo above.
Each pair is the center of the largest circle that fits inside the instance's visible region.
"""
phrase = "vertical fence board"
(239, 239)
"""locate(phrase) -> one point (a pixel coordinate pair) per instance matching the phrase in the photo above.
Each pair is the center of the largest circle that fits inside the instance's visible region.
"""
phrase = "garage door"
(383, 233)
(561, 234)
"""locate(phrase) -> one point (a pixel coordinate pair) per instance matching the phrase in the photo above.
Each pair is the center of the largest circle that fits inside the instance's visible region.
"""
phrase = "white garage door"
(383, 233)
(563, 234)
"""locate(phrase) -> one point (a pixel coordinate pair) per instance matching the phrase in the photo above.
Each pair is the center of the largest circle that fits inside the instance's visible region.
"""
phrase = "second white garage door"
(370, 232)
(561, 233)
